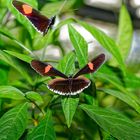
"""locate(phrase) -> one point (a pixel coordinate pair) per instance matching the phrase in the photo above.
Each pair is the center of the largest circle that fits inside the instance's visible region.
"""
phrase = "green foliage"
(125, 32)
(20, 56)
(80, 46)
(109, 109)
(14, 122)
(34, 96)
(69, 106)
(66, 65)
(113, 122)
(44, 131)
(6, 91)
(106, 42)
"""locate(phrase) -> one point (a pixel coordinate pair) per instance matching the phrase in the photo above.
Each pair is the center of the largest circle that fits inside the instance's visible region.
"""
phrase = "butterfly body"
(40, 22)
(65, 85)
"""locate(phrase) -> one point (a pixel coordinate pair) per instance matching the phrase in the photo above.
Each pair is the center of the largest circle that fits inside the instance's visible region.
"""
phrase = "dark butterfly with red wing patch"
(68, 85)
(40, 22)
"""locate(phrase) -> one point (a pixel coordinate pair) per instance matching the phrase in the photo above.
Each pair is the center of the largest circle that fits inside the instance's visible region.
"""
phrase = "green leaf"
(114, 76)
(44, 131)
(113, 122)
(21, 18)
(40, 42)
(132, 81)
(22, 57)
(125, 32)
(15, 64)
(108, 78)
(80, 45)
(64, 22)
(11, 93)
(3, 13)
(32, 3)
(69, 106)
(34, 96)
(124, 97)
(107, 42)
(54, 8)
(3, 76)
(66, 65)
(8, 34)
(13, 123)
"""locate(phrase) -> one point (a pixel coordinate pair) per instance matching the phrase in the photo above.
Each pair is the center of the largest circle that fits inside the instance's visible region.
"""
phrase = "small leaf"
(124, 97)
(11, 93)
(66, 65)
(80, 45)
(44, 131)
(125, 32)
(34, 96)
(69, 106)
(113, 122)
(107, 42)
(23, 57)
(13, 123)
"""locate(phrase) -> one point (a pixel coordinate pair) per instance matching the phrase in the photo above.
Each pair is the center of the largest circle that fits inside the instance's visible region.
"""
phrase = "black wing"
(67, 86)
(45, 69)
(39, 21)
(91, 66)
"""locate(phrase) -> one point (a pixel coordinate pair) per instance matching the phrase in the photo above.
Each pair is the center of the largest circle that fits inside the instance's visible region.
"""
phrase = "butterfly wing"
(91, 66)
(45, 69)
(39, 21)
(68, 86)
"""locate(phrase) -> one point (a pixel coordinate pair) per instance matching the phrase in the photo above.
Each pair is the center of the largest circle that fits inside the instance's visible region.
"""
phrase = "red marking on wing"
(47, 68)
(27, 9)
(91, 66)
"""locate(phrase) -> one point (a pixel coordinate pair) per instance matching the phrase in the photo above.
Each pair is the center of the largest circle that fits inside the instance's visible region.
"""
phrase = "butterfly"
(68, 85)
(40, 22)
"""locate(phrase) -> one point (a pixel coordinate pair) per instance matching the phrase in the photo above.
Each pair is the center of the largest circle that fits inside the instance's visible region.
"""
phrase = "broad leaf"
(8, 34)
(34, 96)
(113, 122)
(124, 97)
(114, 75)
(15, 64)
(80, 45)
(44, 131)
(69, 106)
(23, 57)
(3, 76)
(132, 81)
(106, 42)
(125, 32)
(55, 8)
(120, 87)
(13, 123)
(66, 65)
(11, 93)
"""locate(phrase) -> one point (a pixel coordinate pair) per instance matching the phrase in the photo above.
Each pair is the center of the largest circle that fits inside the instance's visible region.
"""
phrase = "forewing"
(91, 66)
(39, 21)
(67, 86)
(46, 69)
